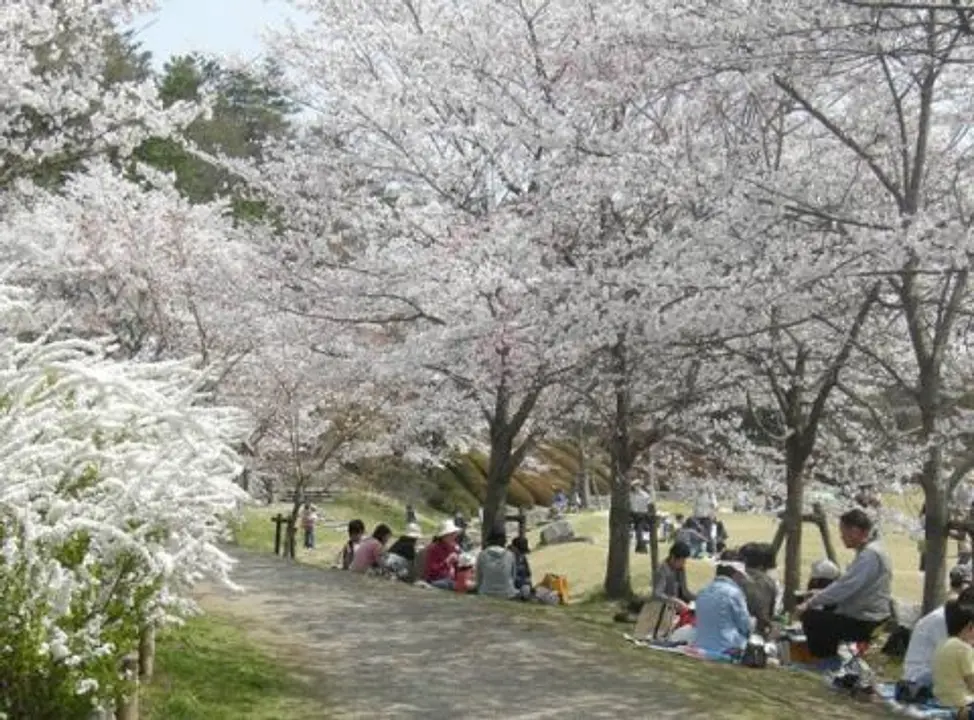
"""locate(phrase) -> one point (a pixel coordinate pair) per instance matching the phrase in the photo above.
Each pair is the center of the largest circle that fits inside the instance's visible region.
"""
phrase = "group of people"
(743, 598)
(500, 570)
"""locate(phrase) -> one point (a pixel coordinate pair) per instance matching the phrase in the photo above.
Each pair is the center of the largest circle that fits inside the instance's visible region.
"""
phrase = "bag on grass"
(655, 621)
(558, 584)
(755, 654)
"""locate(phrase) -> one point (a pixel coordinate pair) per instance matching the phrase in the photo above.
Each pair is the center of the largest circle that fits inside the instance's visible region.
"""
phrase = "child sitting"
(356, 529)
(953, 663)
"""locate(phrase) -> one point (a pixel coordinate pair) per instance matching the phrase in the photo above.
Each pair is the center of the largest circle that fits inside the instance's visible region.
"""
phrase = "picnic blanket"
(931, 710)
(684, 650)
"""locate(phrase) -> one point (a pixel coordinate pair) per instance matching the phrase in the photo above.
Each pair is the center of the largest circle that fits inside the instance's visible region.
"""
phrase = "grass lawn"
(209, 670)
(584, 564)
(256, 531)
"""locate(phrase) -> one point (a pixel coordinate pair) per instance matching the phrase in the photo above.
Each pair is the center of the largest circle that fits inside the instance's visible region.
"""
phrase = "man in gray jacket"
(851, 608)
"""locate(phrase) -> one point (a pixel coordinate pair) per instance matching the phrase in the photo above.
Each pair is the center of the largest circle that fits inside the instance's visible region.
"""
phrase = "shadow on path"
(388, 651)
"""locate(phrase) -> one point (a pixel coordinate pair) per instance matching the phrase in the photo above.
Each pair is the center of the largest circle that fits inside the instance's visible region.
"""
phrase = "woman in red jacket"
(441, 557)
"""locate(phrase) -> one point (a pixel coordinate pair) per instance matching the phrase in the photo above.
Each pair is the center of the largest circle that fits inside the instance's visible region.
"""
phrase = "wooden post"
(127, 707)
(522, 522)
(278, 521)
(653, 543)
(819, 518)
(147, 653)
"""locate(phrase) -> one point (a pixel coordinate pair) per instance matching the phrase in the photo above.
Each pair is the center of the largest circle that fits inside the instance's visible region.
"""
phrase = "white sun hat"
(447, 527)
(413, 531)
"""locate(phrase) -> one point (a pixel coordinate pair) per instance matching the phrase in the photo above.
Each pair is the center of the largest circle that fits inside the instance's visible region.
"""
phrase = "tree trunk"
(794, 509)
(127, 705)
(499, 473)
(617, 581)
(935, 532)
(147, 653)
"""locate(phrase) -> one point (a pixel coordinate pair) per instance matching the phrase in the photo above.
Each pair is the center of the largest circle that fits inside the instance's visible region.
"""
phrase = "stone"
(560, 531)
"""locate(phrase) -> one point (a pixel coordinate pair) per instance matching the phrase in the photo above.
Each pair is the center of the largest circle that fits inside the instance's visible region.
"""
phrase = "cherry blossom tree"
(879, 164)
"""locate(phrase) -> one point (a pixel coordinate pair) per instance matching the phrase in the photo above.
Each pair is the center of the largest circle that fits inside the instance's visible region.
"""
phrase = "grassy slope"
(583, 564)
(208, 670)
(257, 531)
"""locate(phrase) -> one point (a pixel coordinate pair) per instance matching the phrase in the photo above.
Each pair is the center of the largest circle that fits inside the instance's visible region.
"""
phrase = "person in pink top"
(369, 552)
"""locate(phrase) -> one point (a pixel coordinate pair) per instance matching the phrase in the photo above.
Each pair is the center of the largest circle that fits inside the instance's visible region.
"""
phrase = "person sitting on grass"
(441, 557)
(760, 590)
(671, 578)
(368, 554)
(929, 632)
(356, 529)
(401, 556)
(496, 568)
(852, 607)
(953, 663)
(405, 546)
(522, 568)
(723, 623)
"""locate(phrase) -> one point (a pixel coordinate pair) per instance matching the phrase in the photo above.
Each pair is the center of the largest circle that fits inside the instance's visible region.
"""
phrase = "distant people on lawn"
(560, 502)
(860, 600)
(953, 663)
(368, 554)
(928, 633)
(309, 518)
(639, 502)
(441, 557)
(692, 534)
(743, 504)
(356, 529)
(496, 568)
(723, 624)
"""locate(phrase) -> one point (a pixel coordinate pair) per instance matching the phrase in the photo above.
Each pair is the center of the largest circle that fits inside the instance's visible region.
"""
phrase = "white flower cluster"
(116, 483)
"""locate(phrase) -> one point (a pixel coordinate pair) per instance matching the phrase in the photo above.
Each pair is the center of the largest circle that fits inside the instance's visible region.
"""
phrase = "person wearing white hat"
(723, 623)
(442, 555)
(405, 546)
(401, 558)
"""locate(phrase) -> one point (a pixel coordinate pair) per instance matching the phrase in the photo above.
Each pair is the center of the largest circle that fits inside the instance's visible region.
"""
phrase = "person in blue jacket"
(723, 623)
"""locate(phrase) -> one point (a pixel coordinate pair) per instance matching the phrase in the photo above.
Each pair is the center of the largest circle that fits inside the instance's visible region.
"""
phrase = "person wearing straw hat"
(441, 557)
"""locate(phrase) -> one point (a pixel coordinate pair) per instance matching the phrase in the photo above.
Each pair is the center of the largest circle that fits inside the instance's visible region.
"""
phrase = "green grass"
(256, 531)
(584, 564)
(209, 670)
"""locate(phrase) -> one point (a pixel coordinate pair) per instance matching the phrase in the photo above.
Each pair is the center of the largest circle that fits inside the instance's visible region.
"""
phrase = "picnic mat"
(684, 650)
(887, 691)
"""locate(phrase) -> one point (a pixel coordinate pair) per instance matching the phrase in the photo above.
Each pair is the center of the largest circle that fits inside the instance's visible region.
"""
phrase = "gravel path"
(383, 650)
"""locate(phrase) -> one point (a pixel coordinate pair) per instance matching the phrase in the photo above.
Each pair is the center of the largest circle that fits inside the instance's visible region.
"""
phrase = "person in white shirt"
(930, 632)
(639, 501)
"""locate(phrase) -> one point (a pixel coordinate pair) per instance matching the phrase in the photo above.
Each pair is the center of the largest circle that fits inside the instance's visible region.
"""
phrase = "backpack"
(755, 654)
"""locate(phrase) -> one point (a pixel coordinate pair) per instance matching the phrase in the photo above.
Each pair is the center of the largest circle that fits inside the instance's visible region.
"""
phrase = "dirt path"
(383, 650)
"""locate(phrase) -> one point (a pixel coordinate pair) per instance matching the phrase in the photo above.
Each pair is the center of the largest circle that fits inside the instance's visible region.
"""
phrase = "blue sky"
(210, 26)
